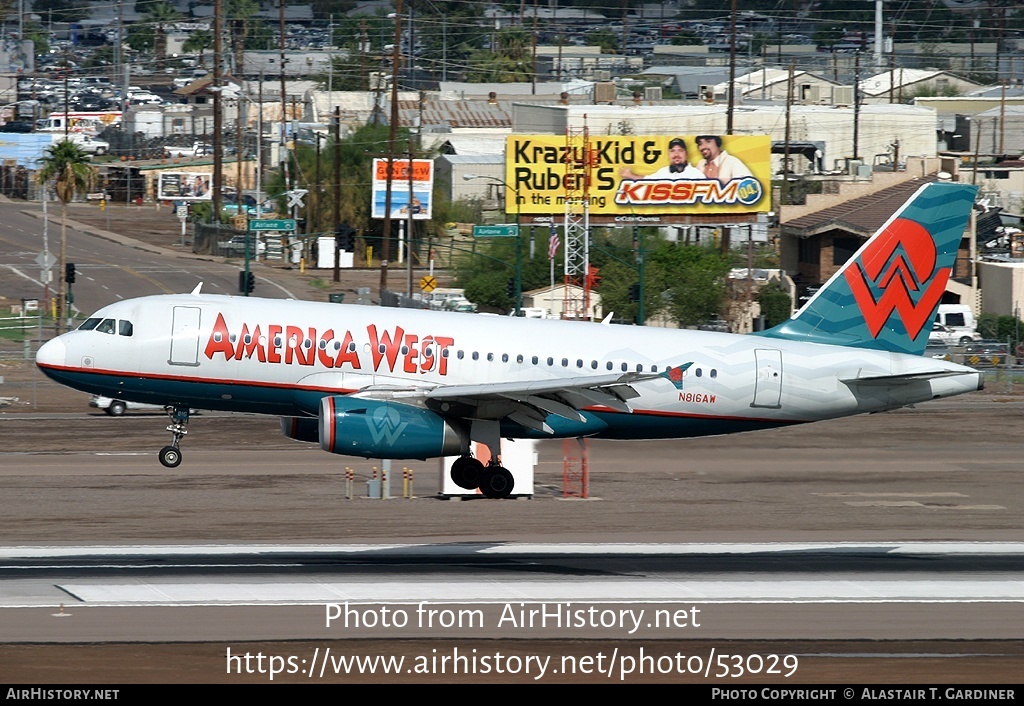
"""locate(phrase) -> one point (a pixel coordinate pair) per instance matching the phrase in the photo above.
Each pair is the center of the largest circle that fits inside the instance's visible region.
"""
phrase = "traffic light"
(634, 292)
(246, 282)
(344, 237)
(510, 287)
(69, 272)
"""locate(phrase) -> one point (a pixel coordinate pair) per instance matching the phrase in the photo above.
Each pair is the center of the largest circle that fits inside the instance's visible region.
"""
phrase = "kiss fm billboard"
(653, 175)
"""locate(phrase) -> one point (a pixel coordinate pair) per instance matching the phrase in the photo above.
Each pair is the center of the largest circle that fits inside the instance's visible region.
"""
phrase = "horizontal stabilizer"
(886, 380)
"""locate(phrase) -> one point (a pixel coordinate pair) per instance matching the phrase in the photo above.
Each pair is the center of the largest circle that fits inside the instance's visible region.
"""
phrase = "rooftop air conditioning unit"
(602, 75)
(652, 93)
(842, 95)
(604, 92)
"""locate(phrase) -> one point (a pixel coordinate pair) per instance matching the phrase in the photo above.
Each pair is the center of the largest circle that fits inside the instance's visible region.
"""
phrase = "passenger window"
(476, 356)
(89, 324)
(714, 373)
(535, 360)
(106, 326)
(124, 328)
(609, 365)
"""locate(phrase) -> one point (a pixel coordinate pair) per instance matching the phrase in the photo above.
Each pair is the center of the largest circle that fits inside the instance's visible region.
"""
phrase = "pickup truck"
(90, 145)
(198, 149)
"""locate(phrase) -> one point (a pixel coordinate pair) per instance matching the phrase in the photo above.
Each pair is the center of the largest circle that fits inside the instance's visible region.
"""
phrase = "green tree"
(140, 37)
(692, 278)
(508, 61)
(604, 38)
(776, 304)
(197, 43)
(70, 170)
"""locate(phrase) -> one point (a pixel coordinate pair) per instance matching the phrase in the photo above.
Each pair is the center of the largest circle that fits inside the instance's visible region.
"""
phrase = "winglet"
(608, 319)
(675, 375)
(886, 296)
(196, 291)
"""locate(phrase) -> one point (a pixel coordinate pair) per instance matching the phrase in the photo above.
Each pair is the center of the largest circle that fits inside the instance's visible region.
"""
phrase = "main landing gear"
(493, 480)
(170, 456)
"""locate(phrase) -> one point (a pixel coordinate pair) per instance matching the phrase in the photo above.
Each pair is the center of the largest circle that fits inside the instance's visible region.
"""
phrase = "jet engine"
(301, 429)
(387, 429)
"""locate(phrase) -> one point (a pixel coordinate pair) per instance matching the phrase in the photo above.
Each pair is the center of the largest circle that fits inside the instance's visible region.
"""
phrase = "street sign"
(279, 224)
(182, 211)
(295, 198)
(46, 260)
(428, 283)
(497, 231)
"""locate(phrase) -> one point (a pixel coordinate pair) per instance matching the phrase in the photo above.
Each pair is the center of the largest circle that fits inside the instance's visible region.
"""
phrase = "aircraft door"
(768, 381)
(185, 336)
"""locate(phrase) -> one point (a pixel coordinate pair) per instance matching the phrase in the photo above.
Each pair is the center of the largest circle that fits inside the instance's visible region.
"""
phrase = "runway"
(883, 548)
(960, 591)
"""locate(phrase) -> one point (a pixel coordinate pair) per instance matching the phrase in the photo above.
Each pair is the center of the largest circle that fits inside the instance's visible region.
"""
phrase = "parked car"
(939, 351)
(198, 149)
(115, 408)
(17, 126)
(951, 337)
(230, 204)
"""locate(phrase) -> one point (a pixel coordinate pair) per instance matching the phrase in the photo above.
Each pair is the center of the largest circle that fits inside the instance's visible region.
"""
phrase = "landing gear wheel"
(170, 456)
(497, 482)
(116, 408)
(466, 472)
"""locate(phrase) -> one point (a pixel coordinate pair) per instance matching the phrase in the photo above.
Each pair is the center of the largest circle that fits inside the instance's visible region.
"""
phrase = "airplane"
(401, 383)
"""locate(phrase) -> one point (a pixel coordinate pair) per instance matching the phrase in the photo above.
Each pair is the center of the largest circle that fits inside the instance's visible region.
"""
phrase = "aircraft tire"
(116, 409)
(170, 456)
(497, 483)
(466, 472)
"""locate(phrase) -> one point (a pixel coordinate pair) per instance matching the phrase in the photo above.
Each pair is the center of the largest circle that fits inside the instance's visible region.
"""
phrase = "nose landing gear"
(170, 456)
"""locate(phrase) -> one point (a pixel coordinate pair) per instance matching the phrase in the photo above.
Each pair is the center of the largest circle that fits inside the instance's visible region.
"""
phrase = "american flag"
(553, 244)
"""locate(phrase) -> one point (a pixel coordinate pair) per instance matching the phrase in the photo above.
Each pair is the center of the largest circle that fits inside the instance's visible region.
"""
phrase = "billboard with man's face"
(185, 186)
(654, 175)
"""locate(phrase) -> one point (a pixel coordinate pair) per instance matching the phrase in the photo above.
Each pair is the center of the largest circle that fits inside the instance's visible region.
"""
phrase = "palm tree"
(160, 15)
(240, 15)
(71, 170)
(199, 41)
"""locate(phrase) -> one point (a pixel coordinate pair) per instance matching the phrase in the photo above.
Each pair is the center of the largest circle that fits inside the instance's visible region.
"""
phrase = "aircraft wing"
(527, 402)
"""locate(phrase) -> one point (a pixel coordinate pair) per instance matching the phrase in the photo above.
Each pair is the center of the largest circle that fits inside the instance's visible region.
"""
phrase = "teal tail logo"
(885, 296)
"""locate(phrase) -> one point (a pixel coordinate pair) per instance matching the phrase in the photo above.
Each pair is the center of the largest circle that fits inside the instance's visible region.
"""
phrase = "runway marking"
(914, 503)
(892, 495)
(648, 589)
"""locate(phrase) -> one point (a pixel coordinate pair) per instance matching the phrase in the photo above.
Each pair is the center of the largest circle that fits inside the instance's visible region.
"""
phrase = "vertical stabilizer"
(886, 296)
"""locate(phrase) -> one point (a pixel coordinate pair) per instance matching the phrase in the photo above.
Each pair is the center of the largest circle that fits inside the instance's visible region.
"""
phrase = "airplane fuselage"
(282, 357)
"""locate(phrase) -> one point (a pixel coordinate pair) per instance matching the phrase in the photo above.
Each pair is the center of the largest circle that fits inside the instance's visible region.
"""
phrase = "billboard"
(422, 188)
(637, 175)
(185, 186)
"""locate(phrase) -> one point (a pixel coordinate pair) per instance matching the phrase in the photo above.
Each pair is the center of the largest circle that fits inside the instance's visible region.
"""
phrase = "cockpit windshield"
(121, 327)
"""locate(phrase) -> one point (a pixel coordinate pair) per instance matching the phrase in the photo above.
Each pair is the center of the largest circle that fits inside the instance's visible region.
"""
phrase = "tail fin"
(886, 296)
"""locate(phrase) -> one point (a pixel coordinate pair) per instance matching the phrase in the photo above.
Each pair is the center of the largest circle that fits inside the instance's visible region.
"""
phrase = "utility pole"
(385, 249)
(336, 131)
(218, 118)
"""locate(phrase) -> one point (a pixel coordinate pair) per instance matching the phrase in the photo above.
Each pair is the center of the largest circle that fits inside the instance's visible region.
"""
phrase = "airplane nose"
(52, 353)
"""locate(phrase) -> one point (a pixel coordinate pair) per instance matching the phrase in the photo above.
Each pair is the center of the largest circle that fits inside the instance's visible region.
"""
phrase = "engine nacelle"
(387, 429)
(301, 429)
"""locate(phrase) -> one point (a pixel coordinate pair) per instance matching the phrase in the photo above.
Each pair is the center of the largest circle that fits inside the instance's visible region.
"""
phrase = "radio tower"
(578, 162)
